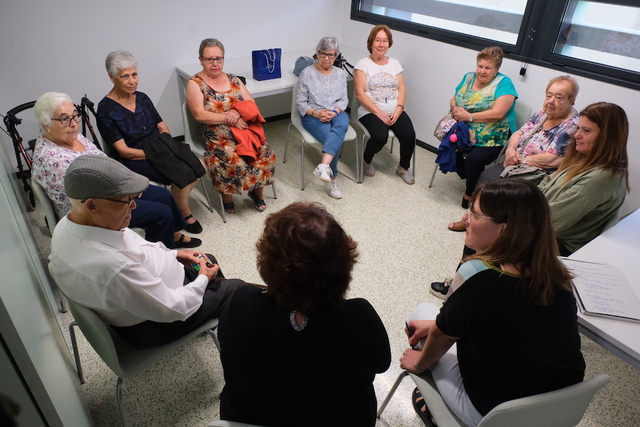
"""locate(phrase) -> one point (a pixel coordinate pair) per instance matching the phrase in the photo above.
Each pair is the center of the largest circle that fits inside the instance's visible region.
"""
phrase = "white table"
(618, 246)
(258, 89)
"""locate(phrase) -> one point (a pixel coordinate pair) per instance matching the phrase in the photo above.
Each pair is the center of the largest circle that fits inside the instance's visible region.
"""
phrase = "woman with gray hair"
(220, 101)
(126, 118)
(321, 100)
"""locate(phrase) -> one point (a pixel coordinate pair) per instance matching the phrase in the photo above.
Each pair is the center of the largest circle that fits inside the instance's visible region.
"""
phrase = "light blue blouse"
(317, 91)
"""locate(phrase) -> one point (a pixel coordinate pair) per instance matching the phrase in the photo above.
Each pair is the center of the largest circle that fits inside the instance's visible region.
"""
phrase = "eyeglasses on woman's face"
(470, 213)
(326, 55)
(66, 121)
(218, 59)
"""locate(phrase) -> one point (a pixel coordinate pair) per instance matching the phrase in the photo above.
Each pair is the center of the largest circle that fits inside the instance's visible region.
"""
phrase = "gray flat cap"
(93, 176)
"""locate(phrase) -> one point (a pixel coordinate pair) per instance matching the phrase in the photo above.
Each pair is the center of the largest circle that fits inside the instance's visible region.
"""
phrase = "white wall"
(433, 70)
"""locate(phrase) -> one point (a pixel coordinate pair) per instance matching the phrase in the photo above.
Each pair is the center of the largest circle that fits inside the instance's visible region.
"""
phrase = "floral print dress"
(228, 171)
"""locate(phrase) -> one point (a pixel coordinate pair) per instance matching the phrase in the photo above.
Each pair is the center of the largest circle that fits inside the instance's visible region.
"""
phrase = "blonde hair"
(492, 53)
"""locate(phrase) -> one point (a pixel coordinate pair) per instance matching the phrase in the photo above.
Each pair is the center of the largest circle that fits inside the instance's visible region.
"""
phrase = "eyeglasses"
(126, 202)
(326, 55)
(470, 214)
(218, 59)
(66, 121)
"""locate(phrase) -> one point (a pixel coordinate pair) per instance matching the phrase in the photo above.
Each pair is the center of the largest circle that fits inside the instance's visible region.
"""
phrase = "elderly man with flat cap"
(149, 294)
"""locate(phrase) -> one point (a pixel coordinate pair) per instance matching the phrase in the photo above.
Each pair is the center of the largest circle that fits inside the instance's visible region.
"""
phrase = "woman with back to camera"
(509, 327)
(321, 100)
(213, 97)
(380, 88)
(305, 354)
(127, 118)
(485, 100)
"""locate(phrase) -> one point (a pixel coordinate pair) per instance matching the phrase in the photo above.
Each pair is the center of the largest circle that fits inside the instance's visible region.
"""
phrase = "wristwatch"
(470, 118)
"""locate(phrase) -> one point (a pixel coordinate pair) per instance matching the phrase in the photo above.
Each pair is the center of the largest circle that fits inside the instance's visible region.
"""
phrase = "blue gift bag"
(266, 64)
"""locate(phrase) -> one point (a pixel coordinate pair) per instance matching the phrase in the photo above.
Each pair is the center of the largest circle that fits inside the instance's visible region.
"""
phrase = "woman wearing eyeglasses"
(126, 119)
(509, 328)
(321, 100)
(381, 91)
(218, 100)
(61, 142)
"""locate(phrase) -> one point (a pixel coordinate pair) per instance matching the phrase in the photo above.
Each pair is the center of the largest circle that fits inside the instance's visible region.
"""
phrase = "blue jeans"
(330, 135)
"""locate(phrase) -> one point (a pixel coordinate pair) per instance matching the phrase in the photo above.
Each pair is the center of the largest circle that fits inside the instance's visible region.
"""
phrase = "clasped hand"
(325, 116)
(232, 118)
(189, 258)
(460, 114)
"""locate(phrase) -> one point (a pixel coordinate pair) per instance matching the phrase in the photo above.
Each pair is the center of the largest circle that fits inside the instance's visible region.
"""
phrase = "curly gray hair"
(327, 44)
(46, 107)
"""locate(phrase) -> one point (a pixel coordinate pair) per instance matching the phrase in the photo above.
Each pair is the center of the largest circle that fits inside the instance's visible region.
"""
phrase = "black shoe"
(441, 289)
(465, 203)
(194, 228)
(193, 243)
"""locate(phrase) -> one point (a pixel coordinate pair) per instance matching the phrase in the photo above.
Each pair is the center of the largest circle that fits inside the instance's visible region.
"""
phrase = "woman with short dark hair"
(291, 347)
(510, 313)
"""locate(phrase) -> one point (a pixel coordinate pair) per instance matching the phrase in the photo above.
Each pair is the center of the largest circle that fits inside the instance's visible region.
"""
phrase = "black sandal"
(421, 408)
(229, 207)
(259, 204)
(193, 228)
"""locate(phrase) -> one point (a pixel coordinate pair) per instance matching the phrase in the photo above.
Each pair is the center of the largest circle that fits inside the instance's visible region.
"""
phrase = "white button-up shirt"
(122, 277)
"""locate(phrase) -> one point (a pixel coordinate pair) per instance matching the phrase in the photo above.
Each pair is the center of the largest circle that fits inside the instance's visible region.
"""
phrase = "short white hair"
(327, 44)
(46, 106)
(119, 60)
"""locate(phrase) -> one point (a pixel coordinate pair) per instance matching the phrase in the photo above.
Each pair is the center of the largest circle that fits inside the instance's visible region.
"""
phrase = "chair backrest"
(295, 115)
(559, 408)
(193, 133)
(49, 211)
(523, 113)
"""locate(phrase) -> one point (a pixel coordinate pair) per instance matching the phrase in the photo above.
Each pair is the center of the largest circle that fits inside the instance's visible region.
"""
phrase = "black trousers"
(471, 164)
(150, 334)
(402, 128)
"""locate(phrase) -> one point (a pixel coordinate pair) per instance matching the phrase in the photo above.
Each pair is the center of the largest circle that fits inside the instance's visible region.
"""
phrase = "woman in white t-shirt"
(380, 89)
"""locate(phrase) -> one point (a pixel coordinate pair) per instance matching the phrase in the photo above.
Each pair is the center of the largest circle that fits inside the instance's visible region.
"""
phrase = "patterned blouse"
(487, 134)
(554, 140)
(50, 163)
(317, 91)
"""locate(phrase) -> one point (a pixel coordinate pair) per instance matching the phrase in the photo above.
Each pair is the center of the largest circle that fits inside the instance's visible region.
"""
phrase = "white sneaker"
(323, 172)
(333, 189)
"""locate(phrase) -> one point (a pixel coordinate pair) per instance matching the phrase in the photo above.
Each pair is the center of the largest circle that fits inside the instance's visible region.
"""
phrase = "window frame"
(541, 22)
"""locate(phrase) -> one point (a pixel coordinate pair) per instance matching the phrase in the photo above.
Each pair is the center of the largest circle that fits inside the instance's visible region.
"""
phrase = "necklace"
(292, 318)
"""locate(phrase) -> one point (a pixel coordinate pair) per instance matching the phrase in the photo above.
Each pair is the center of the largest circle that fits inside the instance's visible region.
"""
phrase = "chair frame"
(355, 105)
(296, 121)
(194, 136)
(530, 411)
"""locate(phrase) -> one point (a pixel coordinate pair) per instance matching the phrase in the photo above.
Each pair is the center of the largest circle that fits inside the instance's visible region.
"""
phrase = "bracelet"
(418, 368)
(335, 111)
(401, 106)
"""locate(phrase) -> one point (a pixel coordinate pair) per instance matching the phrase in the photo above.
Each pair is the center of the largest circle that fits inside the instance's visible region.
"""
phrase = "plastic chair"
(49, 212)
(523, 113)
(120, 356)
(355, 104)
(194, 137)
(559, 408)
(296, 121)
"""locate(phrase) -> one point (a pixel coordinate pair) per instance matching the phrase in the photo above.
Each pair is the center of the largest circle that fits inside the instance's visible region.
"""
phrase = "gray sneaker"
(323, 172)
(333, 189)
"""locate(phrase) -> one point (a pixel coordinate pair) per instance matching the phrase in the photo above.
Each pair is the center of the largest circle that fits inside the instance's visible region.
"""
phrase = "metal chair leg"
(302, 165)
(415, 144)
(214, 337)
(273, 187)
(63, 303)
(206, 194)
(286, 144)
(391, 392)
(120, 400)
(223, 213)
(76, 355)
(433, 174)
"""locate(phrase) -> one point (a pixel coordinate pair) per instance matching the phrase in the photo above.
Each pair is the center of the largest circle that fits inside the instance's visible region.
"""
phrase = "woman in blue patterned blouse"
(321, 100)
